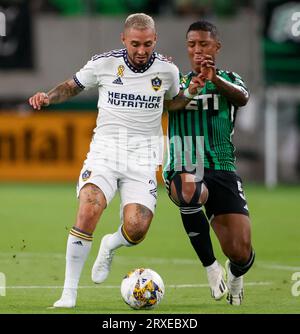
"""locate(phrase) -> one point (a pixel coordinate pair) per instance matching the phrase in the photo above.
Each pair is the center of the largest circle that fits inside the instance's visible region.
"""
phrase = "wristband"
(188, 95)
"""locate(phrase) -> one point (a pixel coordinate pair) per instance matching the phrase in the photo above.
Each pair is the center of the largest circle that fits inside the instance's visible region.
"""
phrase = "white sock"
(213, 267)
(76, 255)
(117, 240)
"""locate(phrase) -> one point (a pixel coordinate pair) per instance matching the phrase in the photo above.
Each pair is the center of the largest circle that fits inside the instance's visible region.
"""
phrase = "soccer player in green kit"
(210, 117)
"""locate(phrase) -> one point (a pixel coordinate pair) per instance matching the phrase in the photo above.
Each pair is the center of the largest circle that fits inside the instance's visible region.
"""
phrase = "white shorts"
(135, 185)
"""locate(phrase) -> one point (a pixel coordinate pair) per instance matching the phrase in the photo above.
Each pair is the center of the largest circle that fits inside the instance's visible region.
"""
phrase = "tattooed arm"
(59, 94)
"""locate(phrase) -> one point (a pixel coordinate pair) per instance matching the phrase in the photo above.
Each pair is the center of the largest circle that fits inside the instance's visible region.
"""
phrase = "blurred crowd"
(154, 7)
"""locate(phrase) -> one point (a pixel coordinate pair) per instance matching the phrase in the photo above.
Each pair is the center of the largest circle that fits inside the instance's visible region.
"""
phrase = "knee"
(186, 194)
(92, 202)
(239, 251)
(188, 190)
(137, 219)
(135, 231)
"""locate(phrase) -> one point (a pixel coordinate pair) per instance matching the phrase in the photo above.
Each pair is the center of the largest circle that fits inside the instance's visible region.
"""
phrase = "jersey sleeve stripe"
(114, 53)
(162, 58)
(78, 83)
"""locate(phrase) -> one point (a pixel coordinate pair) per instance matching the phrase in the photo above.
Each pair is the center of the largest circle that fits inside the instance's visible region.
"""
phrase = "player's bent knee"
(239, 252)
(137, 220)
(239, 257)
(92, 202)
(187, 194)
(134, 234)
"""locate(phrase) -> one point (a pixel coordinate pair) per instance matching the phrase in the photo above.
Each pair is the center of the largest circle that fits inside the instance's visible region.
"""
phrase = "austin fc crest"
(86, 174)
(156, 83)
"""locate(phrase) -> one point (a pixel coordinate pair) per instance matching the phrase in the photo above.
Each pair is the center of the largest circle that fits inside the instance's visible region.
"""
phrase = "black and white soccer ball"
(142, 289)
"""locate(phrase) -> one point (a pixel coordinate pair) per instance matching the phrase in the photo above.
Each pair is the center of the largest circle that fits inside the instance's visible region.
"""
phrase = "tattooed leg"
(137, 220)
(92, 202)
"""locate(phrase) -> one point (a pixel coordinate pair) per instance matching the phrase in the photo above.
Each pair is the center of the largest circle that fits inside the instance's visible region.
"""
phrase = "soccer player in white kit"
(134, 84)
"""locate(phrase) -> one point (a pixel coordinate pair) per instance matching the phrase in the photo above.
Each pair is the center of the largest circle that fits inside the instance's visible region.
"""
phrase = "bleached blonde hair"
(139, 21)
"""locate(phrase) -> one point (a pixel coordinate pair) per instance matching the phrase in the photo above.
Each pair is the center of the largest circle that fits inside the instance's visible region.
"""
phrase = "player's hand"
(39, 100)
(196, 84)
(208, 68)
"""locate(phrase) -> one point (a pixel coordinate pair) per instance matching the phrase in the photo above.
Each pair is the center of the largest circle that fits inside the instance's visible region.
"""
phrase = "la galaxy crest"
(156, 83)
(86, 175)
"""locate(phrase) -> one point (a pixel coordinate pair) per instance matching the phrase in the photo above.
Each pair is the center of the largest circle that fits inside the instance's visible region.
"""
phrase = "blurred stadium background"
(47, 41)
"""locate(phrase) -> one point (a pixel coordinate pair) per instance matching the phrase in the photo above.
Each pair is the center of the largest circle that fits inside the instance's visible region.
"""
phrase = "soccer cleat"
(216, 280)
(235, 287)
(67, 300)
(101, 267)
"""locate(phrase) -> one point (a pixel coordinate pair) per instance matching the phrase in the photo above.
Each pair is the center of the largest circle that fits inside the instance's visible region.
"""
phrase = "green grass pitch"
(35, 220)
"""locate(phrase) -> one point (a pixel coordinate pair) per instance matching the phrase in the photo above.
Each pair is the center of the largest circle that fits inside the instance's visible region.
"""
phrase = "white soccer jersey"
(130, 104)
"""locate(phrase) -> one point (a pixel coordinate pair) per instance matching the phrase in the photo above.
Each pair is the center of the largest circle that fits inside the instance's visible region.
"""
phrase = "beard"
(139, 63)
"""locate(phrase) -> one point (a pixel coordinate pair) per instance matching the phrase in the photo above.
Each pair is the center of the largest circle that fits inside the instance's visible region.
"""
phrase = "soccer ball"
(142, 289)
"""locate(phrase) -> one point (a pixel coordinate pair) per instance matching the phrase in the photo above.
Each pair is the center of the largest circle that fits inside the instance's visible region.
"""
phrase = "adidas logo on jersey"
(118, 81)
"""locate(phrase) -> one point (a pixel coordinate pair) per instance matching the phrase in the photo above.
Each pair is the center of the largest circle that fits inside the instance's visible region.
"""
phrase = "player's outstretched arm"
(60, 93)
(185, 96)
(234, 93)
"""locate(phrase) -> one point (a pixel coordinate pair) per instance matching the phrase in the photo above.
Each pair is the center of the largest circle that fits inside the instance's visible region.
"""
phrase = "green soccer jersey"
(204, 129)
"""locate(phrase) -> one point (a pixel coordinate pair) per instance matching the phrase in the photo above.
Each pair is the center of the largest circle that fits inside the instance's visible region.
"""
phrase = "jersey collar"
(135, 69)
